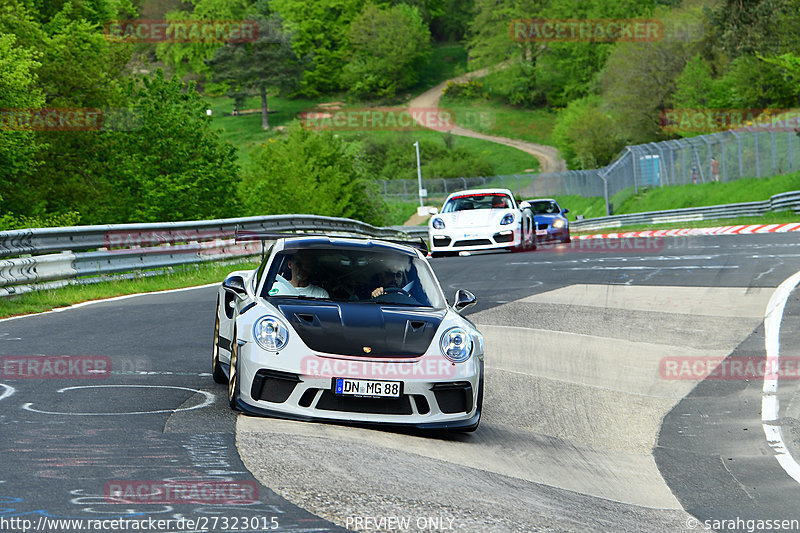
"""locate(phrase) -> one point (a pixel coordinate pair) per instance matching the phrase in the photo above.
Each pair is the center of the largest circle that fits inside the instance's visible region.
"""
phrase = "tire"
(216, 368)
(233, 375)
(567, 240)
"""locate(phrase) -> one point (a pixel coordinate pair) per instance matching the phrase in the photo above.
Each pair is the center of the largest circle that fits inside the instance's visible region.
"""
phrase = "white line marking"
(770, 408)
(686, 267)
(209, 399)
(8, 390)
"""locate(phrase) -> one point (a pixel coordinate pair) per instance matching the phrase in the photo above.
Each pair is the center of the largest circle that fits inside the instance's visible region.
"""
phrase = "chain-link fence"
(726, 156)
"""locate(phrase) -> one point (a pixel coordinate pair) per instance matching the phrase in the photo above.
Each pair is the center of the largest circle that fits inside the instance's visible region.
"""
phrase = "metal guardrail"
(788, 200)
(111, 249)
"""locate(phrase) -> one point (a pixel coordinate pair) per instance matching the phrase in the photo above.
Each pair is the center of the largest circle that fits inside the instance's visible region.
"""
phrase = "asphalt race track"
(592, 421)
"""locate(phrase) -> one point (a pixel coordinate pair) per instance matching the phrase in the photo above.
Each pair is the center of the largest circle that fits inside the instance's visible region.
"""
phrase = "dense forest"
(154, 155)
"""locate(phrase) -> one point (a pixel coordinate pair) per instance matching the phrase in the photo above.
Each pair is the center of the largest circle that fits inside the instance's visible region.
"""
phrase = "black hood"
(353, 328)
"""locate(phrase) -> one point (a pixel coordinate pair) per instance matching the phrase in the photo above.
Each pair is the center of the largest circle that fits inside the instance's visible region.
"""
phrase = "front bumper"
(474, 239)
(435, 394)
(548, 233)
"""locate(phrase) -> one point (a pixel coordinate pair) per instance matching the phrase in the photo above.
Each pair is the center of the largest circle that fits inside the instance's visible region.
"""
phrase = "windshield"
(478, 201)
(383, 277)
(544, 207)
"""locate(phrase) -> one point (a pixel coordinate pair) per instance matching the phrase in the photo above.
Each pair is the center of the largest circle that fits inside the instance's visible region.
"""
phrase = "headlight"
(558, 223)
(270, 333)
(438, 223)
(508, 219)
(456, 345)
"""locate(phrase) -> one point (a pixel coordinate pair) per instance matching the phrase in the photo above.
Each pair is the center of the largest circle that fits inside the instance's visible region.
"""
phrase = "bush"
(310, 173)
(468, 90)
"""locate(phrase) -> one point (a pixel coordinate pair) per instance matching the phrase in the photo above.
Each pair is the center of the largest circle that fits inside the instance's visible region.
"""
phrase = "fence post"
(405, 193)
(519, 189)
(739, 149)
(465, 182)
(772, 146)
(791, 160)
(444, 182)
(710, 163)
(605, 192)
(683, 163)
(755, 142)
(633, 162)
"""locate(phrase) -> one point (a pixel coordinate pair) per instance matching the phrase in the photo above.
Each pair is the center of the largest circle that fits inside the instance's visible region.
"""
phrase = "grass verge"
(494, 118)
(176, 278)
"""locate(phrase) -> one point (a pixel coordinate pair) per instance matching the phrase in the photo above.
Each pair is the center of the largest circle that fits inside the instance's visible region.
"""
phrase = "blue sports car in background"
(550, 220)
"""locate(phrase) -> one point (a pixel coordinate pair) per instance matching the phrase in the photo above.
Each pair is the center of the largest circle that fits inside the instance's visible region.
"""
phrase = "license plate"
(471, 235)
(366, 387)
(541, 232)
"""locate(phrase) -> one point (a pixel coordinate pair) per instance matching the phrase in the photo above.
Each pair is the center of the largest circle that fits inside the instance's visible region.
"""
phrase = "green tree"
(310, 173)
(173, 164)
(389, 45)
(452, 22)
(695, 87)
(320, 29)
(18, 148)
(192, 56)
(639, 79)
(392, 157)
(584, 135)
(767, 27)
(269, 63)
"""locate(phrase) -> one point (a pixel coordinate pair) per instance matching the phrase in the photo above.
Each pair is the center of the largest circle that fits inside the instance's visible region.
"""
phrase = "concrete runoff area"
(572, 412)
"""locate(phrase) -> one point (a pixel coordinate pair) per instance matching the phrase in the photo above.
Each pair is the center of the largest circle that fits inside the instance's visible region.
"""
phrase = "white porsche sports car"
(481, 219)
(351, 330)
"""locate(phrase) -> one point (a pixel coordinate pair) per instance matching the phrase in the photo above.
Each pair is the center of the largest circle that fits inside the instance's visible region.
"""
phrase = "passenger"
(301, 266)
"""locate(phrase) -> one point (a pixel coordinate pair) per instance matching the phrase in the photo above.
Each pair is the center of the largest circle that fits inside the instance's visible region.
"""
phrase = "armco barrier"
(110, 249)
(788, 200)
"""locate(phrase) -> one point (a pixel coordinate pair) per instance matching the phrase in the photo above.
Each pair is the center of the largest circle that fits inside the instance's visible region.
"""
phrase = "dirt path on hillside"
(548, 156)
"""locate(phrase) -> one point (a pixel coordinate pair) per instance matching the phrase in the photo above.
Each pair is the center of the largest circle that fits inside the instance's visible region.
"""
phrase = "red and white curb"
(719, 230)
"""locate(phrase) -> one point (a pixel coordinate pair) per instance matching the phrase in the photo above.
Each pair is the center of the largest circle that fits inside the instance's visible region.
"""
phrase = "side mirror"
(235, 285)
(463, 300)
(524, 205)
(565, 211)
(433, 210)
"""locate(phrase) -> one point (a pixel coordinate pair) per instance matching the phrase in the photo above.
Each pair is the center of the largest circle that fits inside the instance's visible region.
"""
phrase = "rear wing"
(242, 235)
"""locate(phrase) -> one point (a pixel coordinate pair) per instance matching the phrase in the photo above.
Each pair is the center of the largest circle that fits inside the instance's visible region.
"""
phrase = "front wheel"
(233, 374)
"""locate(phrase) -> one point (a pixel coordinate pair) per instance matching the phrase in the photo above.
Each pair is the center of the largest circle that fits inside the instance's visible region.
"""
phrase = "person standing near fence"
(714, 169)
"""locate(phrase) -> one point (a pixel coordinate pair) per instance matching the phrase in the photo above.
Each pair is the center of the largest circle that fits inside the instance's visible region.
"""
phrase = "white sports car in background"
(353, 330)
(481, 219)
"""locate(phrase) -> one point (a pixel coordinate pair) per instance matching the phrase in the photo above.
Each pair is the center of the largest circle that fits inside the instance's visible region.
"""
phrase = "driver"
(389, 278)
(300, 266)
(499, 202)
